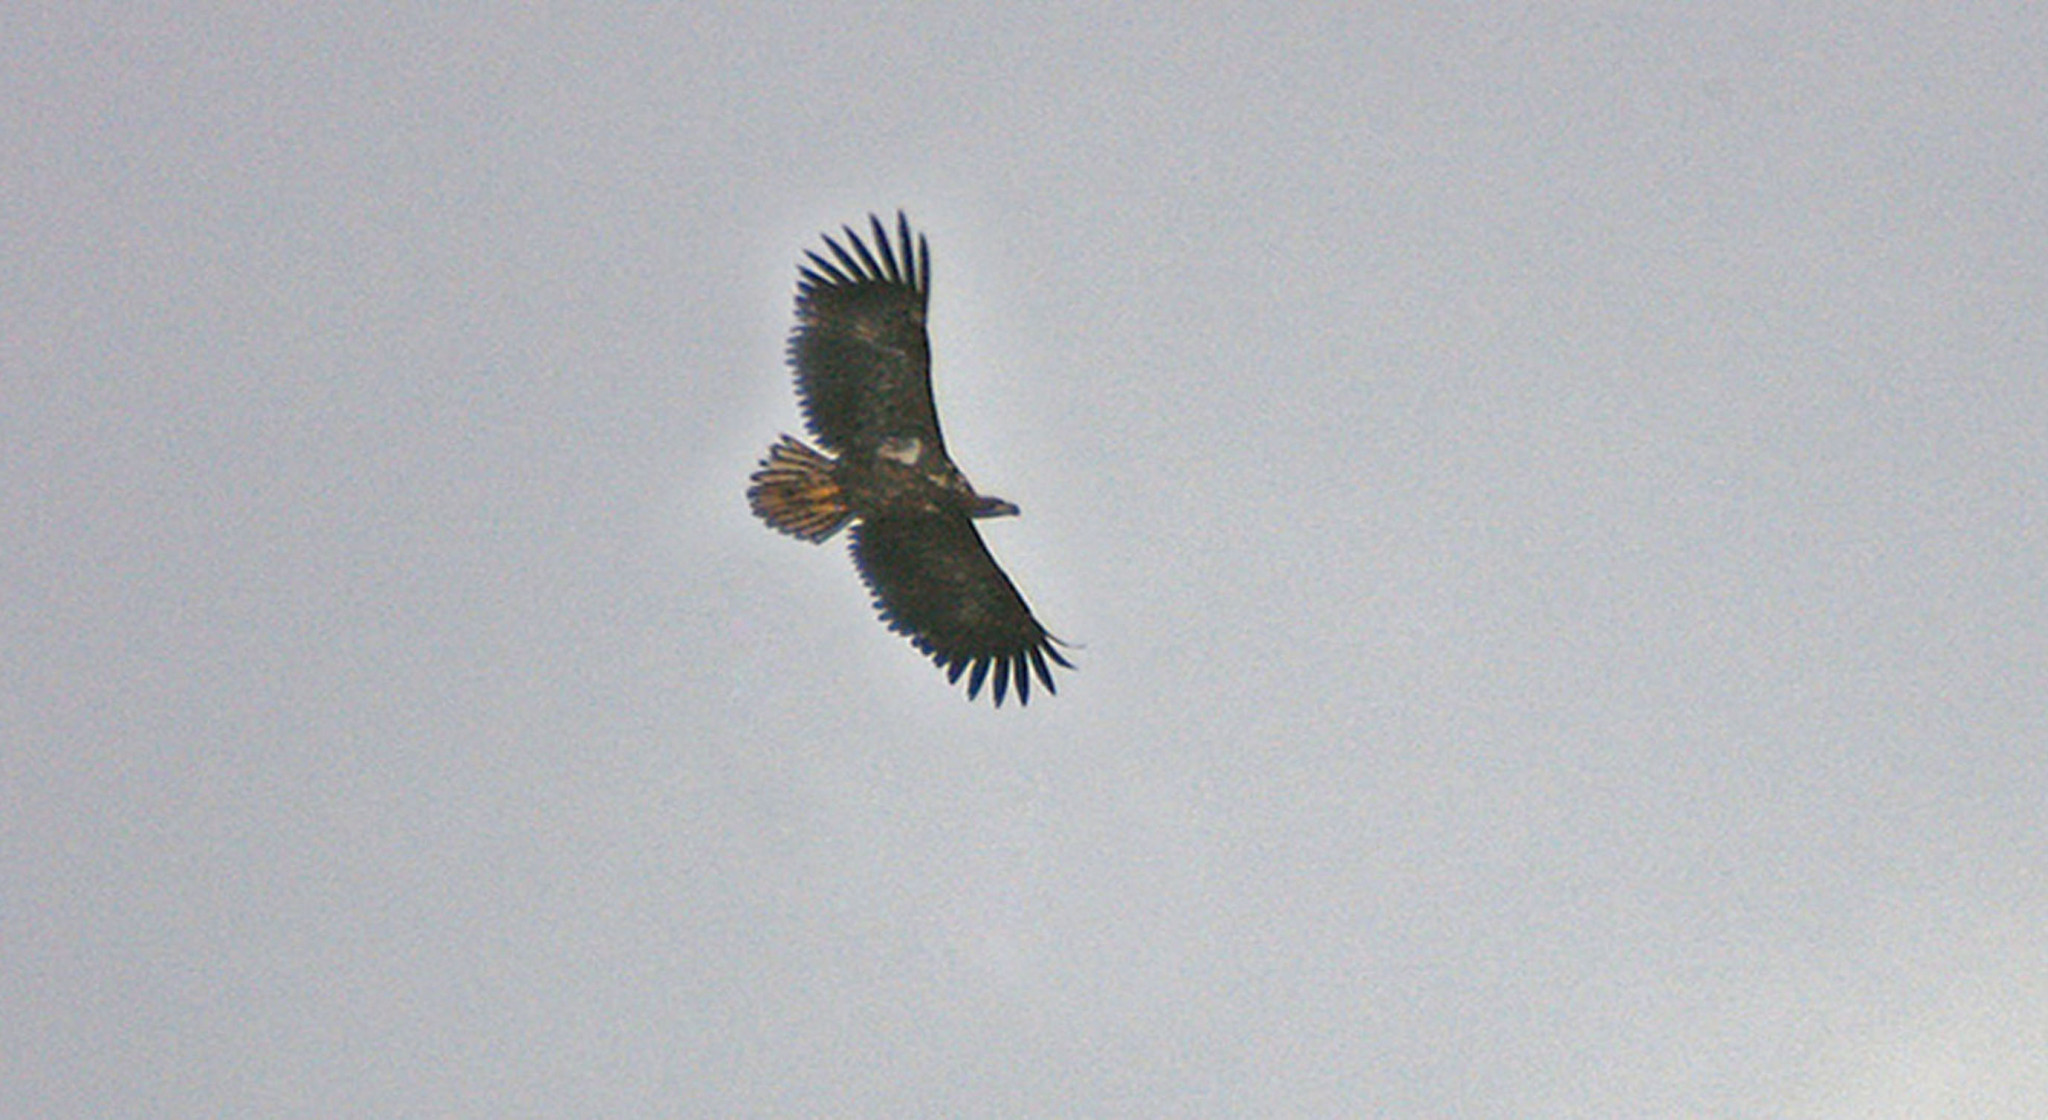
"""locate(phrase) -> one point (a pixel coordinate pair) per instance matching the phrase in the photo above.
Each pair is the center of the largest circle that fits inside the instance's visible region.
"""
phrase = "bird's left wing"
(935, 582)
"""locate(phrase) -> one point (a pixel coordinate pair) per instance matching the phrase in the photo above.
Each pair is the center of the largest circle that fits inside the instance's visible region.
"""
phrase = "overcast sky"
(1551, 502)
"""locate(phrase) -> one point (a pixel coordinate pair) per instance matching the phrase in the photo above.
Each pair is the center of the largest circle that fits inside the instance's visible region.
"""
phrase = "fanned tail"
(795, 493)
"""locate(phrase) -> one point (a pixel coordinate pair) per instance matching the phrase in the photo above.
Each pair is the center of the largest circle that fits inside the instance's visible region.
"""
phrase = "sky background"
(1551, 502)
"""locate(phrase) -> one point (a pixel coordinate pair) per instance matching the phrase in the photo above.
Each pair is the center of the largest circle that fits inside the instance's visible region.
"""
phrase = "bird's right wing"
(862, 358)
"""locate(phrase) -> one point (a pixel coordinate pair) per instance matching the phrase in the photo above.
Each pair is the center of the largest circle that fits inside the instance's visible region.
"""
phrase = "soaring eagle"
(864, 375)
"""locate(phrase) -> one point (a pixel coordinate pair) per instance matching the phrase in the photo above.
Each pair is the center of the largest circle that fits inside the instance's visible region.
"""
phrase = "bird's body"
(863, 370)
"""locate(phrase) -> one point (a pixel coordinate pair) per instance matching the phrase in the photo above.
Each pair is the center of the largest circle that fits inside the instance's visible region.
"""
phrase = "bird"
(862, 364)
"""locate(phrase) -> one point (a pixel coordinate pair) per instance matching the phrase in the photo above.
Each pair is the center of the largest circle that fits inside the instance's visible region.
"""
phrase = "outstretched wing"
(935, 582)
(863, 362)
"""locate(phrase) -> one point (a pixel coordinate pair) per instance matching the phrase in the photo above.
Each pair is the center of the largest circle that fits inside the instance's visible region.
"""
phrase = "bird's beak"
(994, 507)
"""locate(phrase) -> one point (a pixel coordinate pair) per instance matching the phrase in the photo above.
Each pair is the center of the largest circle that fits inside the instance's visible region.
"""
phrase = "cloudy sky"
(1551, 502)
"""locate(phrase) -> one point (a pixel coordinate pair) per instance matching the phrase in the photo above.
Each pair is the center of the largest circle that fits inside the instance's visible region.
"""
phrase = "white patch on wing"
(902, 449)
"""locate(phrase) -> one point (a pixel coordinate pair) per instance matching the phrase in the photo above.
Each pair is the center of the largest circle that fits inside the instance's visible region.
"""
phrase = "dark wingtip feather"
(870, 270)
(888, 255)
(1006, 673)
(1044, 674)
(1048, 645)
(829, 269)
(1002, 679)
(916, 255)
(905, 259)
(854, 271)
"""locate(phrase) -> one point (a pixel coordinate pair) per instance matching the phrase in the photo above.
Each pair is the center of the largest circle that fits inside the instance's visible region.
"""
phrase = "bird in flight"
(864, 376)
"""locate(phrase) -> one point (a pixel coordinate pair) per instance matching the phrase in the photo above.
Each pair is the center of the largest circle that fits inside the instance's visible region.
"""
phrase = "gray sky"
(1550, 500)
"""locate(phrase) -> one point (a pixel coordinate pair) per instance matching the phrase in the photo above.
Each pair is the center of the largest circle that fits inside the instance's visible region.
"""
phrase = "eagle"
(863, 370)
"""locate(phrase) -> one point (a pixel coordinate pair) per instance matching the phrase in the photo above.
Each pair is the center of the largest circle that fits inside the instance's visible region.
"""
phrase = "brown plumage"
(863, 373)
